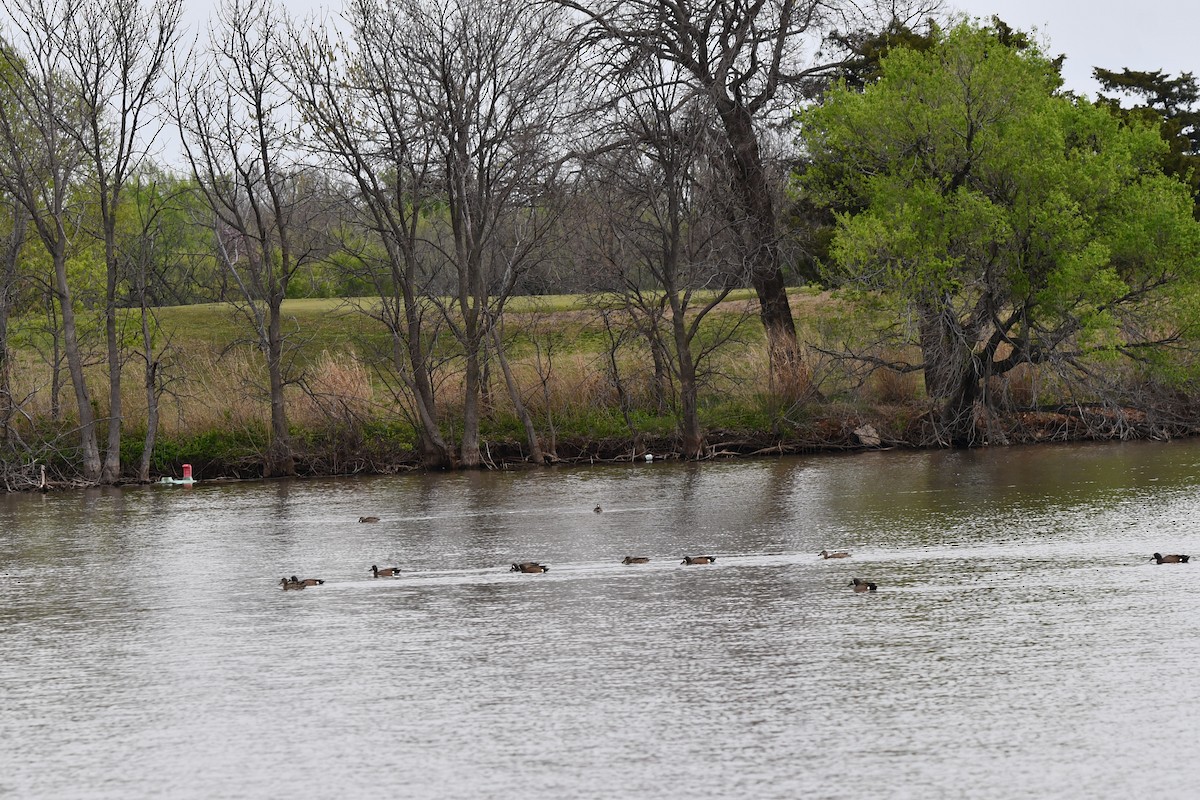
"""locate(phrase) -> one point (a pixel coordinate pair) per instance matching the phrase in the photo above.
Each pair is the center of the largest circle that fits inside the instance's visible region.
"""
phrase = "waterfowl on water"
(286, 584)
(368, 519)
(1173, 558)
(838, 554)
(386, 572)
(306, 581)
(598, 509)
(529, 566)
(863, 586)
(636, 560)
(698, 559)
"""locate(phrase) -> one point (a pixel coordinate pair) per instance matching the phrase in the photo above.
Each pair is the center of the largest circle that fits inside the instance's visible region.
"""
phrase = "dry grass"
(892, 387)
(338, 386)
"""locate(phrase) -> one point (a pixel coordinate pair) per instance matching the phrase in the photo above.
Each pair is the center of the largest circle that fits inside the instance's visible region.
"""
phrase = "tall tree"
(354, 93)
(1017, 225)
(145, 245)
(463, 112)
(663, 230)
(41, 166)
(490, 78)
(238, 134)
(116, 54)
(748, 60)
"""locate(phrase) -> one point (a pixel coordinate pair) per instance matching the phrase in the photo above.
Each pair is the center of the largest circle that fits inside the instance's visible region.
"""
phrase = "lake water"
(1021, 644)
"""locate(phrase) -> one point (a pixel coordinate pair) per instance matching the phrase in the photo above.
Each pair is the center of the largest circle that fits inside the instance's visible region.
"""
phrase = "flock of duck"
(534, 567)
(303, 583)
(295, 582)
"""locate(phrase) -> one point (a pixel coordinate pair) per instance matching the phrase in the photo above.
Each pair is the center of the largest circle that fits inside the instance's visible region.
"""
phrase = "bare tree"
(463, 104)
(116, 52)
(490, 78)
(667, 236)
(41, 167)
(141, 253)
(747, 60)
(363, 119)
(238, 133)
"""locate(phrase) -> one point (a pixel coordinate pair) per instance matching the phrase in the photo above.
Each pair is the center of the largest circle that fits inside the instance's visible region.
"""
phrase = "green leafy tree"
(1014, 225)
(1168, 102)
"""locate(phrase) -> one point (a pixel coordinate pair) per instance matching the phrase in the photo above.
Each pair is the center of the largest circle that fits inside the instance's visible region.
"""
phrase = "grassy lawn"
(340, 323)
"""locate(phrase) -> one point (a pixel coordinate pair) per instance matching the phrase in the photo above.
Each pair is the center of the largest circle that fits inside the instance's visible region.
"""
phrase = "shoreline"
(828, 435)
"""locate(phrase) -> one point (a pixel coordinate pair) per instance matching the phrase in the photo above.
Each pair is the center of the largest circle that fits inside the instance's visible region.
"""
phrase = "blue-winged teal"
(529, 566)
(838, 554)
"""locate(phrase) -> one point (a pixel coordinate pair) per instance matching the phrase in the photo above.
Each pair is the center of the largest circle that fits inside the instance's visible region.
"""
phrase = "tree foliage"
(1016, 225)
(1168, 102)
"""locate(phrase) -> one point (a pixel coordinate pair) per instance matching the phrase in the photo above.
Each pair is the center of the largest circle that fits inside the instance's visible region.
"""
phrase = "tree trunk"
(6, 398)
(8, 290)
(957, 417)
(112, 456)
(514, 393)
(689, 420)
(55, 332)
(551, 449)
(151, 397)
(469, 456)
(759, 236)
(944, 352)
(664, 389)
(280, 460)
(89, 449)
(434, 452)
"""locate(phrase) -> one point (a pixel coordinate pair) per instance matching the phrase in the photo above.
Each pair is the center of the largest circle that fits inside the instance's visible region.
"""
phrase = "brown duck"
(838, 554)
(1173, 558)
(286, 584)
(863, 586)
(306, 581)
(635, 560)
(386, 572)
(529, 566)
(699, 559)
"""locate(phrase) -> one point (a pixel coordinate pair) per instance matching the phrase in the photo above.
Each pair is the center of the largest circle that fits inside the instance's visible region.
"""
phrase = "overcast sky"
(1146, 35)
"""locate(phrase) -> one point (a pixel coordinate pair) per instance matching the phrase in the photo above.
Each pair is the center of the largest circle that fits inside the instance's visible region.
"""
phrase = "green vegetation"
(986, 257)
(1013, 226)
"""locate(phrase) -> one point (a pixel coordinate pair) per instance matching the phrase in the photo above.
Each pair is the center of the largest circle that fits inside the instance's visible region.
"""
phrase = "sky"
(1146, 36)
